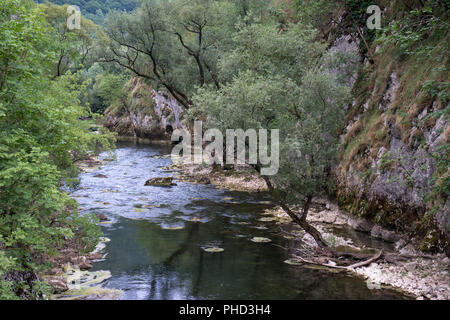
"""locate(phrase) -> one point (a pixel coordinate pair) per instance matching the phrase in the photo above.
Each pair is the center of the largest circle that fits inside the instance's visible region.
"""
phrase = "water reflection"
(149, 260)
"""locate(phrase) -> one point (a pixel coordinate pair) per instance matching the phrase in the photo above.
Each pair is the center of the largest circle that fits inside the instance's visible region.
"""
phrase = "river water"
(156, 252)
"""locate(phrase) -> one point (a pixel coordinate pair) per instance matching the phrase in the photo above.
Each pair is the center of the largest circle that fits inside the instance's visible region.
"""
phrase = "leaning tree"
(278, 81)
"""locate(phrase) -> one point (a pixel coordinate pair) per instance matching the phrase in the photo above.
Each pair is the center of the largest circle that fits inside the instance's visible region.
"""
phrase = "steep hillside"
(143, 112)
(395, 148)
(393, 164)
(96, 10)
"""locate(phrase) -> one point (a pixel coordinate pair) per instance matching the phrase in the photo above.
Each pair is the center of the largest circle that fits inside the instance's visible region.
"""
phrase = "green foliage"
(96, 10)
(109, 87)
(419, 31)
(87, 231)
(340, 17)
(278, 79)
(175, 44)
(265, 50)
(76, 49)
(41, 137)
(437, 89)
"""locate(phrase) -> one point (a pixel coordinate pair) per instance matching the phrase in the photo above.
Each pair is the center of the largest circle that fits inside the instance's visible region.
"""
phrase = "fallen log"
(350, 267)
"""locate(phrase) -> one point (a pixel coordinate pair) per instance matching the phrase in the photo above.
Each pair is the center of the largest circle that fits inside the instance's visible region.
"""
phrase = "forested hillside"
(96, 10)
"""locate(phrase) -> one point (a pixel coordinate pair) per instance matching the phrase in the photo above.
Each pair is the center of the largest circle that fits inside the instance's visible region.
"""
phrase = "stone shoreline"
(69, 276)
(417, 275)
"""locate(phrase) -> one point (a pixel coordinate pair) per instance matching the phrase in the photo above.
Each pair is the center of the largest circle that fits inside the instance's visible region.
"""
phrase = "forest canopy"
(96, 10)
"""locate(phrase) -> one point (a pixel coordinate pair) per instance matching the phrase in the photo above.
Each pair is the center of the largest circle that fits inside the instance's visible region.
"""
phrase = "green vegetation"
(278, 83)
(235, 64)
(41, 137)
(96, 10)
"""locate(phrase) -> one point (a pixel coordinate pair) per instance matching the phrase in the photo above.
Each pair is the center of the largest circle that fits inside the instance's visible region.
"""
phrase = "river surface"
(150, 258)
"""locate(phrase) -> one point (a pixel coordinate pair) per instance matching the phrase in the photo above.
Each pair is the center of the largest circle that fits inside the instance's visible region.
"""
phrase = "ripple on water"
(159, 252)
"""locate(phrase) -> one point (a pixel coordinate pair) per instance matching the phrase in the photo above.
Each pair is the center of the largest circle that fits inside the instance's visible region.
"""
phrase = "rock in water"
(204, 180)
(160, 182)
(360, 224)
(101, 217)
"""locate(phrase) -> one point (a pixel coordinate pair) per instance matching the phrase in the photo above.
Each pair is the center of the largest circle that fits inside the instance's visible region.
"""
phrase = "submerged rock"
(173, 228)
(90, 293)
(77, 278)
(160, 182)
(360, 224)
(101, 217)
(386, 235)
(294, 262)
(204, 180)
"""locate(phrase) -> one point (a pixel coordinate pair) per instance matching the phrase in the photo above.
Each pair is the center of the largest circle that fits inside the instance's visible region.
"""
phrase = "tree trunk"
(301, 221)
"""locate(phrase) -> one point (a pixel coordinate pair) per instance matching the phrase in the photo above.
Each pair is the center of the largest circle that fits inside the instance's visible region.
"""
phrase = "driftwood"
(367, 262)
(350, 267)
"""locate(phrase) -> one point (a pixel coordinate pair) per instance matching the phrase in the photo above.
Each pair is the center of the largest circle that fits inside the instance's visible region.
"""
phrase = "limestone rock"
(81, 262)
(101, 217)
(386, 235)
(360, 224)
(204, 180)
(160, 182)
(58, 283)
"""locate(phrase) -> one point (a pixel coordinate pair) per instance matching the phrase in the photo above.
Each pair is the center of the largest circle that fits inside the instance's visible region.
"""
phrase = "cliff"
(143, 112)
(393, 166)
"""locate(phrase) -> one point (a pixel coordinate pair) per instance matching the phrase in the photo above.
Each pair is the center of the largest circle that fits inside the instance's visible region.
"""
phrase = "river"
(157, 252)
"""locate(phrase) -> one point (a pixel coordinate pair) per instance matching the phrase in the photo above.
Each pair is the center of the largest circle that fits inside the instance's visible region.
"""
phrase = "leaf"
(294, 262)
(260, 239)
(173, 228)
(213, 249)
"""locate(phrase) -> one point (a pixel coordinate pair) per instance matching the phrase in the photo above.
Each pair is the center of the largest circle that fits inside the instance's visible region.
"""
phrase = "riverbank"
(243, 178)
(69, 276)
(420, 276)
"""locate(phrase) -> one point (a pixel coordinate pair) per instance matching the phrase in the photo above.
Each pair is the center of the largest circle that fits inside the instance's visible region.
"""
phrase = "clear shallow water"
(148, 261)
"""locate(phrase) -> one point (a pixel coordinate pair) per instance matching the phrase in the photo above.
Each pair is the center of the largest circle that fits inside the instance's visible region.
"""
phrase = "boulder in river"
(101, 217)
(160, 182)
(100, 176)
(204, 180)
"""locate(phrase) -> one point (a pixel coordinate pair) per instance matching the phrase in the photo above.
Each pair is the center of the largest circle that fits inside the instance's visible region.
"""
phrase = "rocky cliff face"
(393, 164)
(392, 149)
(143, 112)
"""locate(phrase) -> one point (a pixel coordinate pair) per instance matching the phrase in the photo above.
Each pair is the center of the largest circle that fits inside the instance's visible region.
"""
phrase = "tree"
(139, 42)
(76, 48)
(41, 136)
(109, 87)
(199, 26)
(278, 80)
(173, 44)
